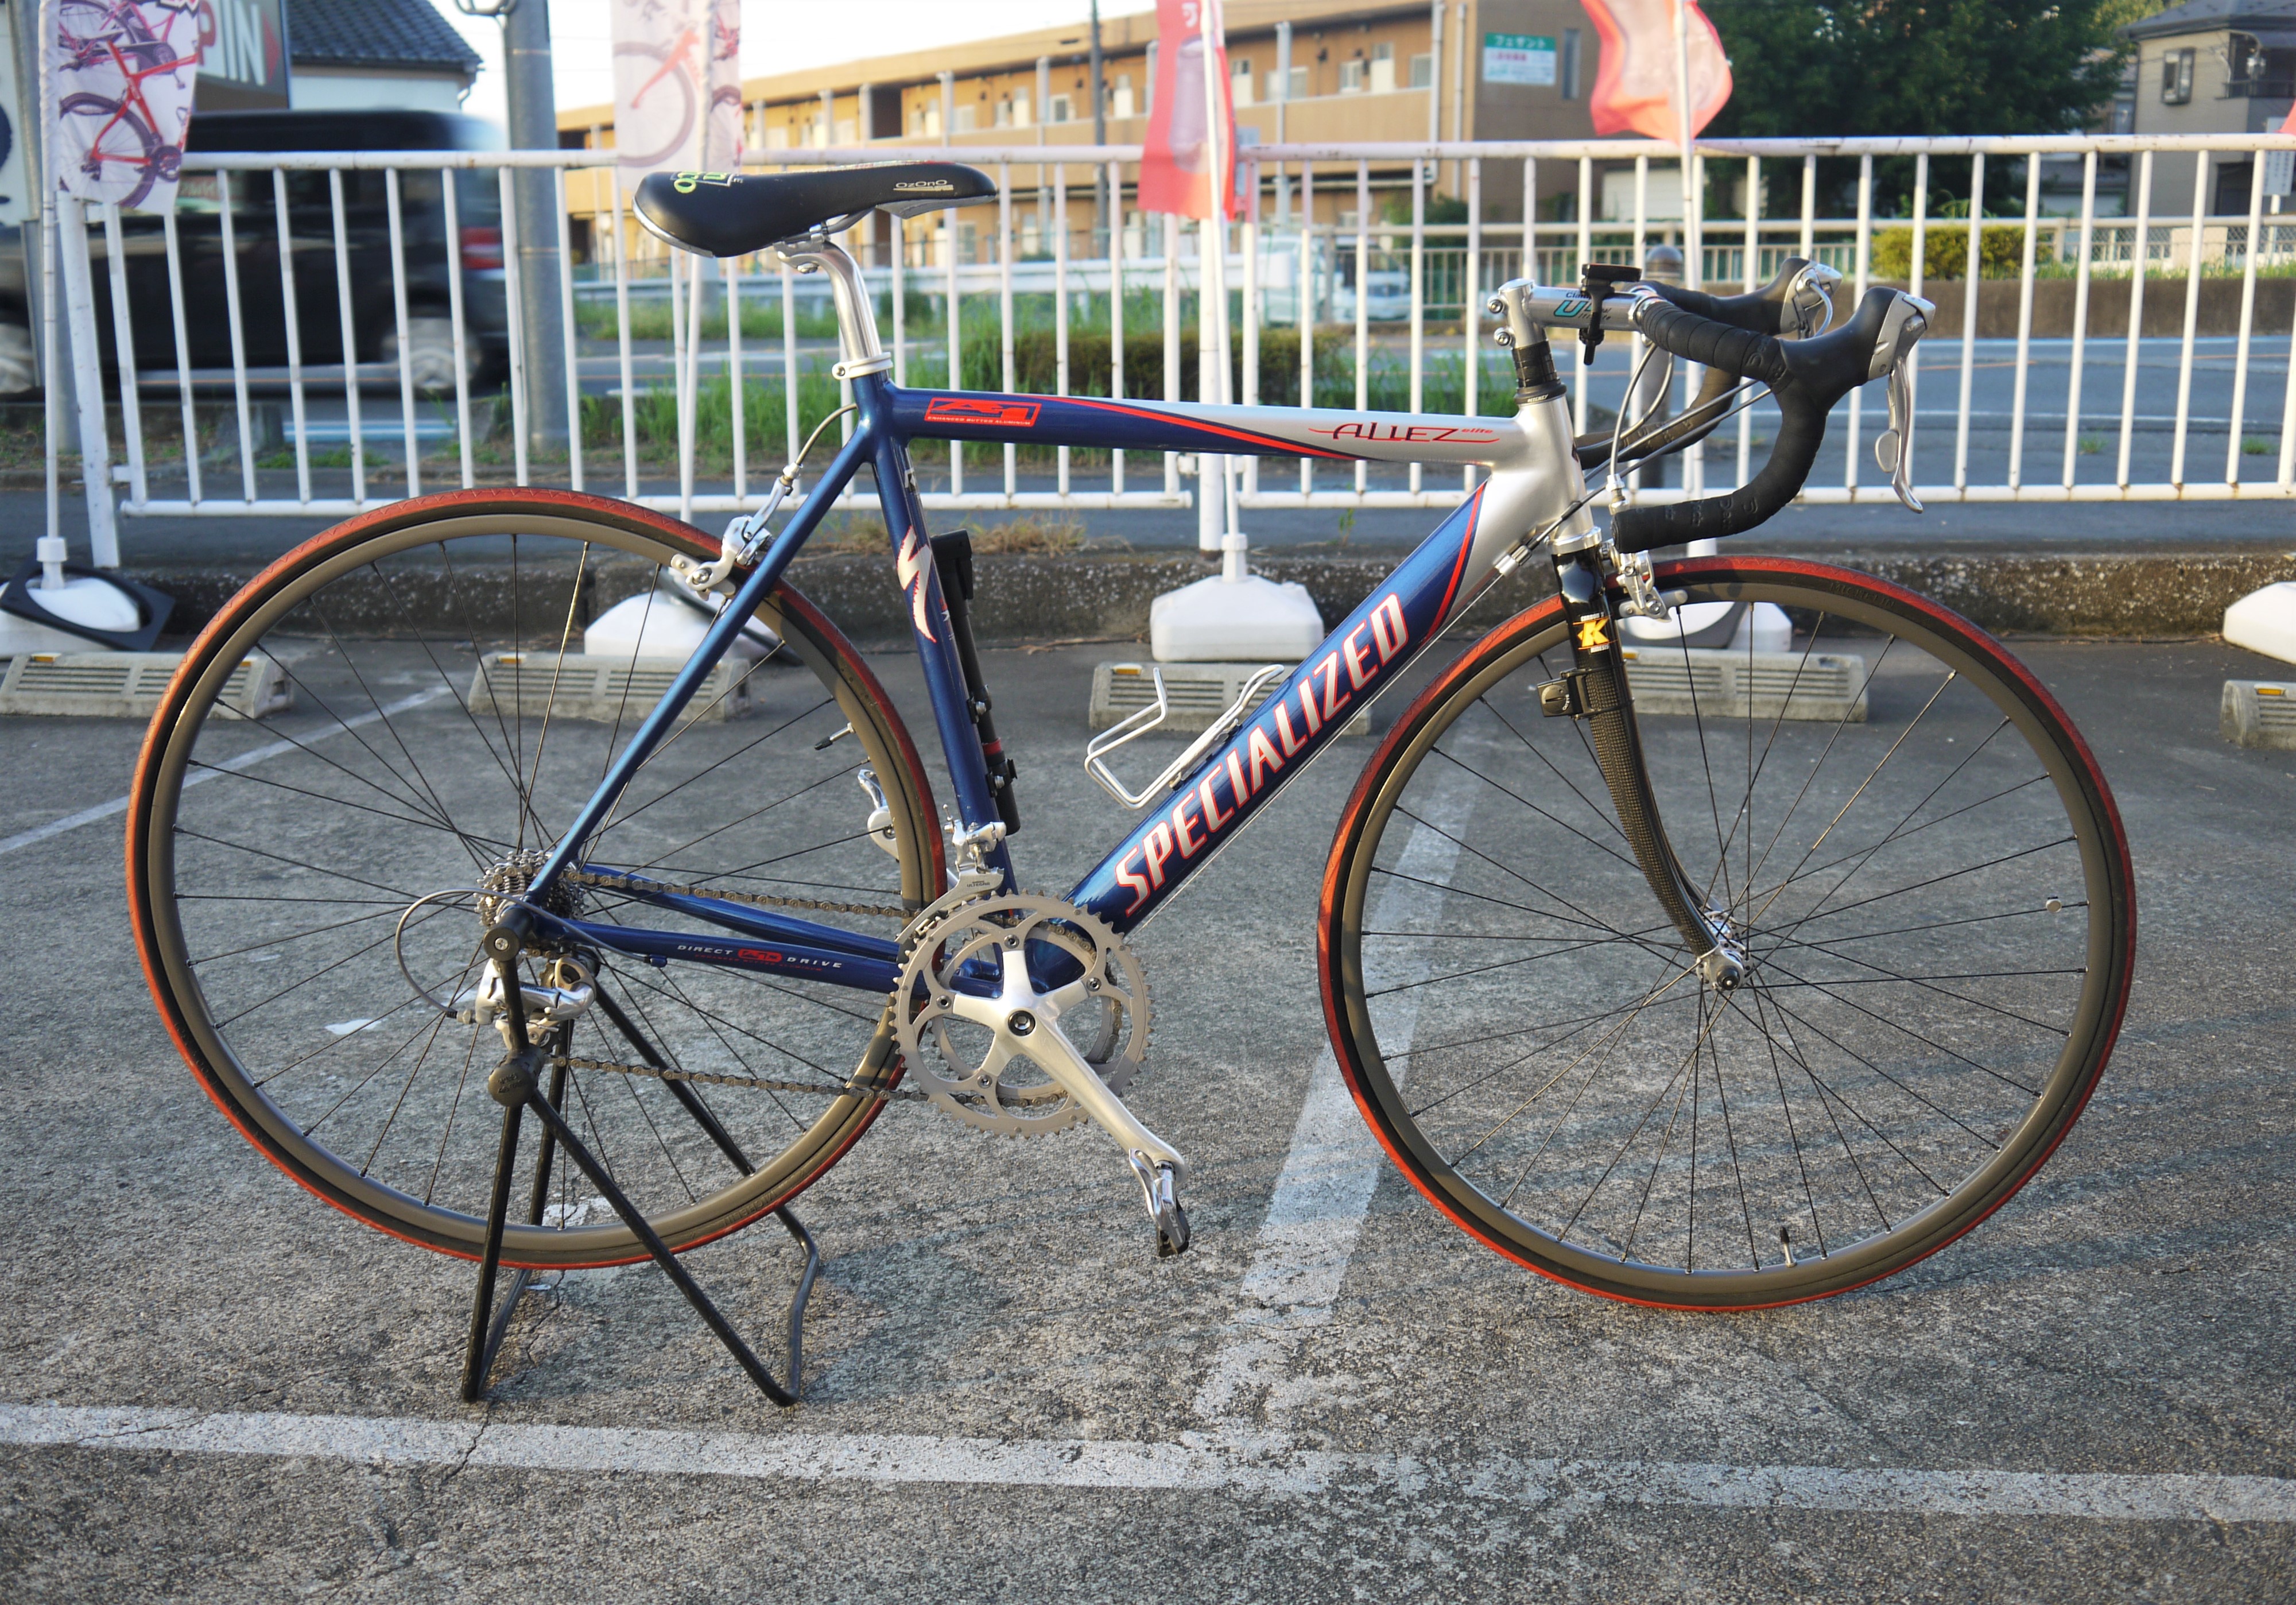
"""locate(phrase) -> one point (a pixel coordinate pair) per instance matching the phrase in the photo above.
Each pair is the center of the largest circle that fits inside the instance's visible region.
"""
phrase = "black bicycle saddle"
(733, 214)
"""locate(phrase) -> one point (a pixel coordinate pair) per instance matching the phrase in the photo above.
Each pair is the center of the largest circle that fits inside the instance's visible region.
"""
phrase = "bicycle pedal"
(1171, 1221)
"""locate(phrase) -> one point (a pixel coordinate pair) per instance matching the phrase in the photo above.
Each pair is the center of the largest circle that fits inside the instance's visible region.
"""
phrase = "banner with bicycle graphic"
(122, 73)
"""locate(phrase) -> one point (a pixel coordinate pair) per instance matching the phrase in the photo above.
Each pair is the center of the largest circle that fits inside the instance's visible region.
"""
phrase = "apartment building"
(2210, 67)
(1319, 71)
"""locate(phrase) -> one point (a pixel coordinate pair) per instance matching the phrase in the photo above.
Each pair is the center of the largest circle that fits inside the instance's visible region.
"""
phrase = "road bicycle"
(1714, 933)
(114, 40)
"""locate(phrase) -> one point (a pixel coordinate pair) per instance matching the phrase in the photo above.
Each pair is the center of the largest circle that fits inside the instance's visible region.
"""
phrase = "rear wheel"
(309, 883)
(1916, 848)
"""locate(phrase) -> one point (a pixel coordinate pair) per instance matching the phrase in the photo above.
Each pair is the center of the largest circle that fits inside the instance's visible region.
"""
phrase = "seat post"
(859, 348)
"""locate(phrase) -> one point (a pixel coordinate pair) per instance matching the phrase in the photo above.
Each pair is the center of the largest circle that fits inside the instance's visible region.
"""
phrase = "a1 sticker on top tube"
(971, 409)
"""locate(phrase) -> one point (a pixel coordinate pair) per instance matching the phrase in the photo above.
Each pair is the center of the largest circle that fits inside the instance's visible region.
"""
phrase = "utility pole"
(534, 127)
(1099, 137)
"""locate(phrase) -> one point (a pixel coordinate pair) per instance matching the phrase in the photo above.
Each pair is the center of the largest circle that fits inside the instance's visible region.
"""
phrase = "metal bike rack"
(516, 1086)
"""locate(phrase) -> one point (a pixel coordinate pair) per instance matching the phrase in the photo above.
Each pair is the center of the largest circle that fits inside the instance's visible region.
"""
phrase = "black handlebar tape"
(1758, 311)
(1806, 379)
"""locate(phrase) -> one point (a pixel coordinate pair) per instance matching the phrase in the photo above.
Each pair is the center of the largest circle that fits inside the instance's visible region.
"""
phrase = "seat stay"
(716, 642)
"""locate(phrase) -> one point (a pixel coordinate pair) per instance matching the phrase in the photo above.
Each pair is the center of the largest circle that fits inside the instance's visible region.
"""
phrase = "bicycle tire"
(1563, 1143)
(369, 793)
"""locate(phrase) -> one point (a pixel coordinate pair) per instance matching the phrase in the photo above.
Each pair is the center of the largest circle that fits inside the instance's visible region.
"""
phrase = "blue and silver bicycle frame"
(1533, 481)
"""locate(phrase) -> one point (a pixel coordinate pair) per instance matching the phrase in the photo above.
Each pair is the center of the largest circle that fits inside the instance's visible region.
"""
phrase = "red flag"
(1176, 165)
(1634, 85)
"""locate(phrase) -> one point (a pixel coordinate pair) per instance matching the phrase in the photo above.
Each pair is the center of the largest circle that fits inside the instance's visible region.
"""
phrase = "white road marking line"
(1121, 1464)
(1335, 1163)
(253, 755)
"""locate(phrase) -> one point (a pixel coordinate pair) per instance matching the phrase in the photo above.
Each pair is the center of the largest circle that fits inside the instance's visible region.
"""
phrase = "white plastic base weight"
(2265, 621)
(1223, 620)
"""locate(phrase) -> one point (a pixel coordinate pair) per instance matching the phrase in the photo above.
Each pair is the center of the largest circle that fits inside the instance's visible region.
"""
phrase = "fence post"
(534, 127)
(87, 379)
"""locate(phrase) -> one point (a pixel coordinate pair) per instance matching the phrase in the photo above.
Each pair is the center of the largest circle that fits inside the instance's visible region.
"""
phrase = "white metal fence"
(688, 383)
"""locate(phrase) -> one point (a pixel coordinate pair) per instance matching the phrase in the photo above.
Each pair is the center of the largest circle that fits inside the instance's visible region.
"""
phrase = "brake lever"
(1909, 321)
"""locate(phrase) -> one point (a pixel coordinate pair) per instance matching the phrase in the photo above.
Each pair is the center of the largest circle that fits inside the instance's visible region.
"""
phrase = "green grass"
(332, 456)
(2089, 445)
(2258, 446)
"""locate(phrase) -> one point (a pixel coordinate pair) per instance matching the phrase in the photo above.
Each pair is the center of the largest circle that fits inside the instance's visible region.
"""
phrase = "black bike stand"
(516, 1086)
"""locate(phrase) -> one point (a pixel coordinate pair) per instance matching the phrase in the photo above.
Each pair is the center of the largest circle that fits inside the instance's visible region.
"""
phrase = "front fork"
(1596, 689)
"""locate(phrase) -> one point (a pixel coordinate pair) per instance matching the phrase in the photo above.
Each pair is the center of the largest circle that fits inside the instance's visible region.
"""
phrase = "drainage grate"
(1718, 683)
(576, 686)
(1197, 693)
(2259, 713)
(128, 686)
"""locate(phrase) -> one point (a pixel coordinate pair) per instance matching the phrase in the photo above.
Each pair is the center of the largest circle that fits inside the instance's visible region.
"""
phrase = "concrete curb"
(1023, 598)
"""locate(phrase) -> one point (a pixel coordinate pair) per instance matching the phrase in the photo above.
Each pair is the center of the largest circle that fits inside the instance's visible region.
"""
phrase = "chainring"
(987, 1078)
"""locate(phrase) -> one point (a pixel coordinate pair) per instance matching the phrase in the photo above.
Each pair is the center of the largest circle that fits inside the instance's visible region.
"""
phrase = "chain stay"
(747, 1082)
(640, 886)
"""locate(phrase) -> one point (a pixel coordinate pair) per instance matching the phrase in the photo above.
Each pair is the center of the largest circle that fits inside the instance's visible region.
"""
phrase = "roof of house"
(2216, 16)
(404, 34)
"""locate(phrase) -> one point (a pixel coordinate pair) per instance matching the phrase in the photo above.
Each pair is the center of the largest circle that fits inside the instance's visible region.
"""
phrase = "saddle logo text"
(686, 184)
(926, 186)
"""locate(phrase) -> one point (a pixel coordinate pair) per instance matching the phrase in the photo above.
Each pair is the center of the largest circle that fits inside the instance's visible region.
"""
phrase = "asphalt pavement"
(218, 1389)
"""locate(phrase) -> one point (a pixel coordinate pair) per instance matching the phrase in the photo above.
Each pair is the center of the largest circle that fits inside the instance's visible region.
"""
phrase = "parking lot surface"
(216, 1389)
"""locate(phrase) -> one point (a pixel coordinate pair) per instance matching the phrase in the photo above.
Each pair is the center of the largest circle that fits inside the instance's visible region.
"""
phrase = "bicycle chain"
(638, 884)
(747, 1082)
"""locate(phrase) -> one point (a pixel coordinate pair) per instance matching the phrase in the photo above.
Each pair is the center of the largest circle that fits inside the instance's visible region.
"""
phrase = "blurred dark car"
(431, 260)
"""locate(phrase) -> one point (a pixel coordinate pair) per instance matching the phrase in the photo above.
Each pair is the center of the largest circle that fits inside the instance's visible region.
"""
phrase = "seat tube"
(927, 615)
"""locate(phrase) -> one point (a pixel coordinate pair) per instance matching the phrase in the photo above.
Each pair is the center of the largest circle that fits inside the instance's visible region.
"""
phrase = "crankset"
(1002, 1049)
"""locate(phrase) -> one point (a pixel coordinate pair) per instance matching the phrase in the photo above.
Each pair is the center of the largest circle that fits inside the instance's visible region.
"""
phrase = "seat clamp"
(867, 365)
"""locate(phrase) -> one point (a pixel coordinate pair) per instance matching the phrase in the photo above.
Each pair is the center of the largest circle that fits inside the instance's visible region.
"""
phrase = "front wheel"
(1916, 850)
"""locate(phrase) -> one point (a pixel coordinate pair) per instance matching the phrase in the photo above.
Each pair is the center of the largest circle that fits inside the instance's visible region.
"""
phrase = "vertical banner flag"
(1635, 83)
(1176, 163)
(122, 75)
(677, 84)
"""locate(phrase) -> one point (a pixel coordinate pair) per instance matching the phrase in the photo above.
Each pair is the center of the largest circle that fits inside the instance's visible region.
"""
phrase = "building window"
(1239, 80)
(776, 137)
(928, 120)
(848, 131)
(2176, 76)
(1022, 109)
(1351, 77)
(1382, 69)
(1060, 109)
(1297, 90)
(968, 118)
(1121, 97)
(1567, 71)
(1422, 71)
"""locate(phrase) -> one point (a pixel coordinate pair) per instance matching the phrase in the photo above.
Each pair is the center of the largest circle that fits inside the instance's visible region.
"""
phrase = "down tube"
(1354, 664)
